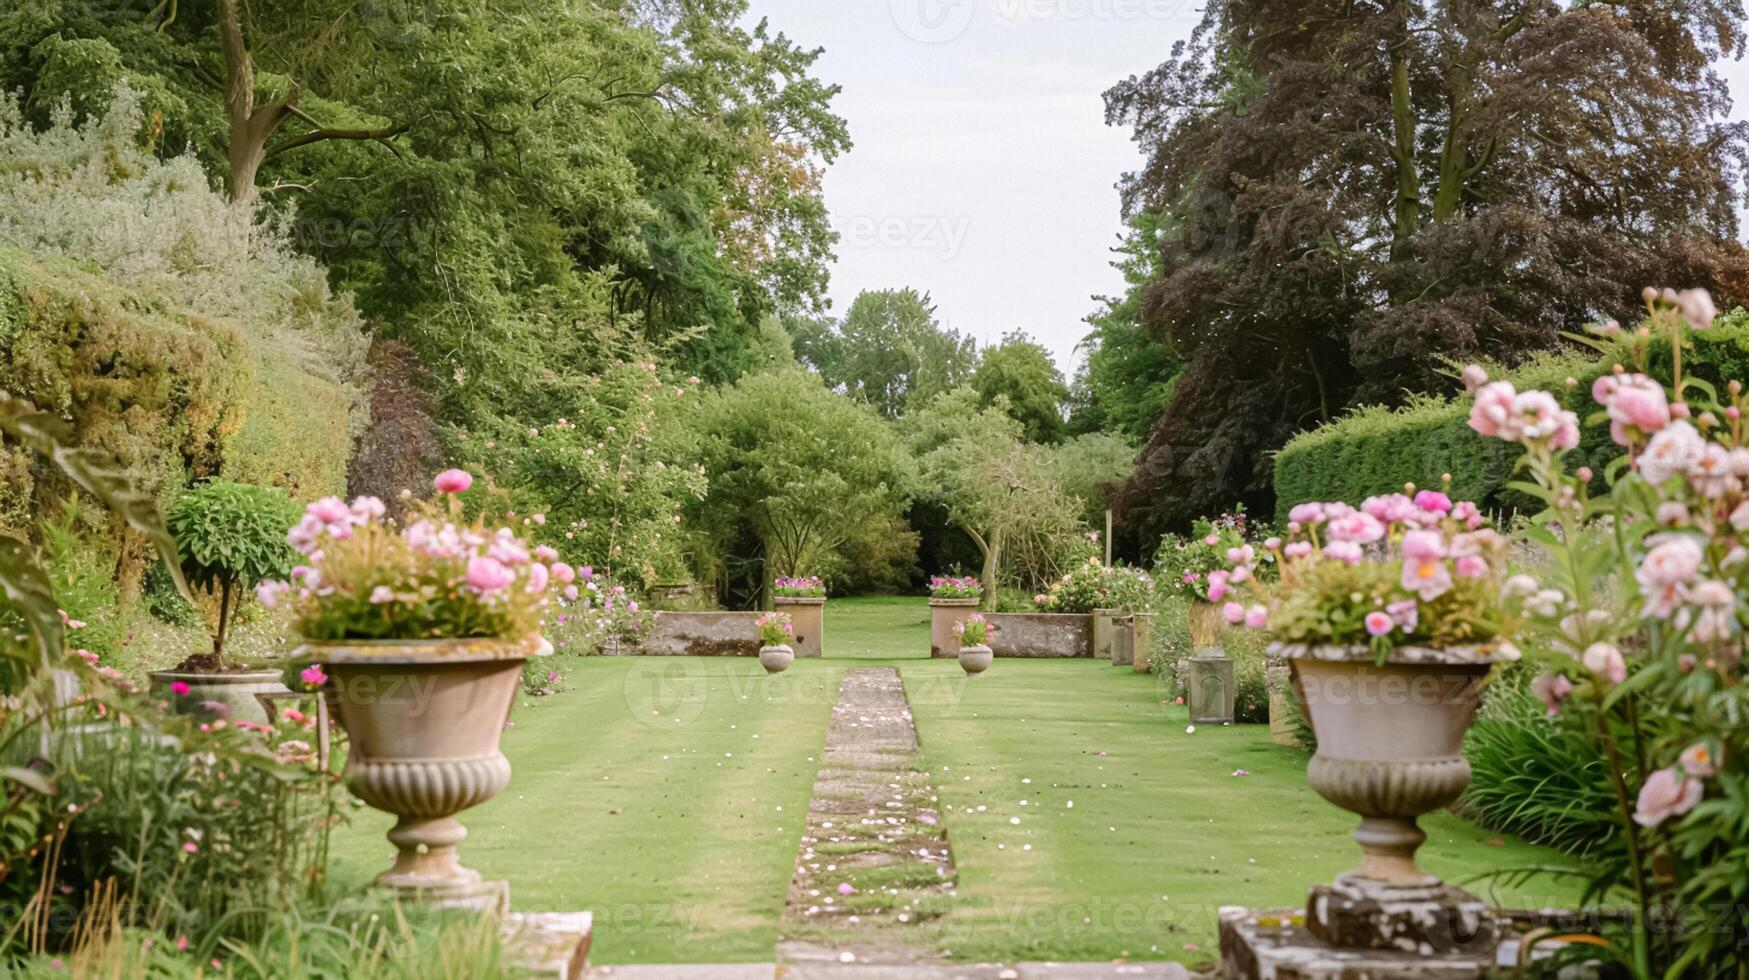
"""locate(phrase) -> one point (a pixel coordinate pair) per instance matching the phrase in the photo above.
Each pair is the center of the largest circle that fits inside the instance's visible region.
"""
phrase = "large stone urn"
(776, 658)
(1390, 748)
(231, 695)
(944, 616)
(423, 718)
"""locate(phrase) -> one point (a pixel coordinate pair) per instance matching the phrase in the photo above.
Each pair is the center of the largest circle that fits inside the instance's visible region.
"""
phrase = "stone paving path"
(875, 864)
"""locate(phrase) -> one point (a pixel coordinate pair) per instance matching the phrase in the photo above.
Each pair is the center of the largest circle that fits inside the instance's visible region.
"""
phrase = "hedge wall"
(177, 395)
(1376, 450)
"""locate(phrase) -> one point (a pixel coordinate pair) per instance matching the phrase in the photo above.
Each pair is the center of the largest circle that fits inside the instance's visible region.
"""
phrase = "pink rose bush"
(1412, 568)
(1632, 612)
(366, 577)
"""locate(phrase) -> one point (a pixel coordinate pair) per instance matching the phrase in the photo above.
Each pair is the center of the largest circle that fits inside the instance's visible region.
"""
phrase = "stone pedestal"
(1362, 913)
(944, 615)
(1212, 695)
(808, 617)
(1142, 640)
(550, 944)
(1278, 682)
(1106, 624)
(1263, 945)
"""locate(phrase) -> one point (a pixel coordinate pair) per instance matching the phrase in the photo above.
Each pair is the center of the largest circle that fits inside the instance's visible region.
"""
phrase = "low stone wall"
(711, 634)
(1038, 636)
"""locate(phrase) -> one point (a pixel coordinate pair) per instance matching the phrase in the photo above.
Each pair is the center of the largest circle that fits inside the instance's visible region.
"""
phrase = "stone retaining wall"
(712, 634)
(1038, 636)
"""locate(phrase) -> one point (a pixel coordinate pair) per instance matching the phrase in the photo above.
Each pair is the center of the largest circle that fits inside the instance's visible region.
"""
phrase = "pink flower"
(1346, 552)
(586, 573)
(179, 688)
(1552, 689)
(1471, 566)
(1256, 618)
(1218, 585)
(1234, 613)
(1391, 508)
(487, 575)
(1379, 624)
(1604, 660)
(313, 676)
(1406, 614)
(1696, 306)
(1666, 794)
(1492, 413)
(269, 593)
(1307, 514)
(1244, 555)
(1677, 448)
(1467, 513)
(1474, 377)
(1633, 401)
(538, 578)
(1697, 761)
(189, 847)
(632, 606)
(1667, 568)
(846, 889)
(330, 510)
(453, 481)
(1424, 571)
(564, 573)
(545, 554)
(1358, 527)
(1433, 501)
(381, 595)
(368, 508)
(1673, 513)
(1298, 549)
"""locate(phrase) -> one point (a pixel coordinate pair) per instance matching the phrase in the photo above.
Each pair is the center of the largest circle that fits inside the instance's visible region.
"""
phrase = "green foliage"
(1182, 563)
(1089, 467)
(1327, 603)
(233, 535)
(1093, 585)
(1128, 374)
(1533, 776)
(1019, 377)
(800, 465)
(1375, 450)
(889, 351)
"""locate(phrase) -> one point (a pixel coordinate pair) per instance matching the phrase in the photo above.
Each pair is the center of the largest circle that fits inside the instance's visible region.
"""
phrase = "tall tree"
(1126, 379)
(1356, 191)
(889, 351)
(1019, 375)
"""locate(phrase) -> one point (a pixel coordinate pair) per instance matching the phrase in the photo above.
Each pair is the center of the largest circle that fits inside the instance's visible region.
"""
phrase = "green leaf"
(28, 590)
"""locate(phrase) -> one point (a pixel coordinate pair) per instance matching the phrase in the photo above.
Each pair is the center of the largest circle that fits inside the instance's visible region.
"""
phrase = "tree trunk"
(249, 130)
(992, 563)
(1408, 198)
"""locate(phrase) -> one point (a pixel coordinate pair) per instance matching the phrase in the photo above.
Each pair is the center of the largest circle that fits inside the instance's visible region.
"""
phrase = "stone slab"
(712, 634)
(1275, 945)
(550, 944)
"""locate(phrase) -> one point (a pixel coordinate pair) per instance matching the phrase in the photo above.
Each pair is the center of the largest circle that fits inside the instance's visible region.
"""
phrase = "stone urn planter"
(976, 659)
(776, 659)
(232, 695)
(1106, 623)
(1390, 748)
(944, 615)
(423, 718)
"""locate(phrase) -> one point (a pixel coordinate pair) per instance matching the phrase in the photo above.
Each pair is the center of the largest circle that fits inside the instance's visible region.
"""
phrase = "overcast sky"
(983, 170)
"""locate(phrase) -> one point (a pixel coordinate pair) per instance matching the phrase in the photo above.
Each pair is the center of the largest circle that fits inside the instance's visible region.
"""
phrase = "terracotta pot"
(776, 659)
(976, 660)
(1390, 742)
(235, 692)
(423, 718)
(944, 615)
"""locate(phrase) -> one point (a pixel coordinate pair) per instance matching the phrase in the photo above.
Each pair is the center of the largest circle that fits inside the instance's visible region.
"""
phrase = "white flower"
(1674, 449)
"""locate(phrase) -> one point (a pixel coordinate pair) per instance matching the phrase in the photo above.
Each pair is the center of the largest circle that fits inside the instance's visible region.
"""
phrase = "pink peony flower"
(179, 688)
(1467, 513)
(269, 593)
(1697, 761)
(1433, 501)
(1307, 514)
(1474, 377)
(1379, 624)
(1604, 660)
(1675, 449)
(1633, 401)
(1471, 566)
(368, 508)
(1424, 570)
(1696, 306)
(1234, 613)
(1218, 586)
(1298, 549)
(564, 573)
(487, 575)
(453, 481)
(1666, 794)
(1552, 689)
(1406, 614)
(1492, 414)
(538, 578)
(1346, 552)
(313, 676)
(1358, 527)
(1664, 573)
(1257, 617)
(330, 510)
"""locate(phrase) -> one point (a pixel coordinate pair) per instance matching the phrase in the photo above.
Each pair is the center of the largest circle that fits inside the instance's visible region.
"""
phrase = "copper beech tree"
(1349, 193)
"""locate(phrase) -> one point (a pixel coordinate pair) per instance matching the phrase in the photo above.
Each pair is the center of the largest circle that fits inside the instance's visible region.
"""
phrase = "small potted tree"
(418, 635)
(973, 634)
(776, 633)
(231, 537)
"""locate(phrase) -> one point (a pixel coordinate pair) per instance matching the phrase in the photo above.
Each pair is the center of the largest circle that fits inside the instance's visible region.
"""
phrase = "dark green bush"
(1533, 777)
(1375, 450)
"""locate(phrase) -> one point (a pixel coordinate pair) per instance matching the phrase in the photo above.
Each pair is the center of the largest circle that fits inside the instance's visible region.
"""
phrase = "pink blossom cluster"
(948, 587)
(1530, 417)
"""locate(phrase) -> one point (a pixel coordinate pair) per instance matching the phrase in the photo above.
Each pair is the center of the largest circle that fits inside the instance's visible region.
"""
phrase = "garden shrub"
(1172, 650)
(204, 348)
(1533, 776)
(1376, 450)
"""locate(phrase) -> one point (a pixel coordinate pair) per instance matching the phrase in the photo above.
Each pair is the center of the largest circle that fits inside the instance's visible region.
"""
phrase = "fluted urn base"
(423, 720)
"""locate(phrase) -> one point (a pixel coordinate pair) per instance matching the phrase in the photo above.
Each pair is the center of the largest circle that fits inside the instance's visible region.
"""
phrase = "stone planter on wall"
(1390, 748)
(1141, 642)
(944, 615)
(808, 617)
(232, 695)
(424, 718)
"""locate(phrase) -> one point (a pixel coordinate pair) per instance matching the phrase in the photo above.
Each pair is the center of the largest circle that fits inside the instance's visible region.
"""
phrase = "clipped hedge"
(1375, 450)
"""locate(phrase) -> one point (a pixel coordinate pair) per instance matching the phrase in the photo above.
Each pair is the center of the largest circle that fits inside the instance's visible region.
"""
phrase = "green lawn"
(651, 794)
